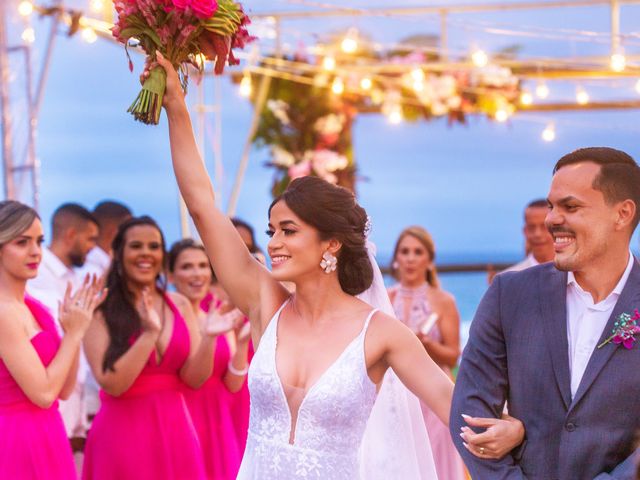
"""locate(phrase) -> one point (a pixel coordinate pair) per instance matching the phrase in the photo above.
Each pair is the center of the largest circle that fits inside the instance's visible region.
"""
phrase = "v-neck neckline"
(293, 428)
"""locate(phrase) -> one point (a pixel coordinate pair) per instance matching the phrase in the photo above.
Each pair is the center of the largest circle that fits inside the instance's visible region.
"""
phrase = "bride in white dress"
(321, 353)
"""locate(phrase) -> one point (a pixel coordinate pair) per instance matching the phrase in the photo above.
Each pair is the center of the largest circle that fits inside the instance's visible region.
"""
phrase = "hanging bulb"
(526, 98)
(501, 115)
(28, 35)
(25, 8)
(480, 58)
(366, 83)
(350, 43)
(638, 86)
(97, 6)
(542, 91)
(329, 63)
(395, 115)
(582, 97)
(337, 86)
(549, 133)
(417, 74)
(618, 62)
(245, 85)
(89, 35)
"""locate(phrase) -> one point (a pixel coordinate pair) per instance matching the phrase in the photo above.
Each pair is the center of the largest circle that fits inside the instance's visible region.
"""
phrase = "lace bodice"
(330, 423)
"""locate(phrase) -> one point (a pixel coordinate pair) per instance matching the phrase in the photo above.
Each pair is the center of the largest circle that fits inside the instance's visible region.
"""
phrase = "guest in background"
(431, 313)
(190, 272)
(109, 215)
(74, 232)
(538, 240)
(36, 366)
(247, 233)
(143, 346)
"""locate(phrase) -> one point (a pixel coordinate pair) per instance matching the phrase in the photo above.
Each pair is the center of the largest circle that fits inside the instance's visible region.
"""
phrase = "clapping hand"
(500, 437)
(148, 315)
(76, 311)
(243, 329)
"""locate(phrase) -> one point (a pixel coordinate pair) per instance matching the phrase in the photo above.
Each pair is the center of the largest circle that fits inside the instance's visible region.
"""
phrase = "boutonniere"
(624, 330)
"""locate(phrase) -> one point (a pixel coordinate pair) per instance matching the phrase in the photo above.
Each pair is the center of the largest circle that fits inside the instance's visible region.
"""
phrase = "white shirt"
(97, 262)
(586, 321)
(530, 261)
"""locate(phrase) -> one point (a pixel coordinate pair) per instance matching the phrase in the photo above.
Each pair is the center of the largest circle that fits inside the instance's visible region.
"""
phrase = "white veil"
(395, 443)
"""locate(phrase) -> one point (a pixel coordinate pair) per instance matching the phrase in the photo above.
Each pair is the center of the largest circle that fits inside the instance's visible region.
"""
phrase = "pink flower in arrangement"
(298, 170)
(204, 8)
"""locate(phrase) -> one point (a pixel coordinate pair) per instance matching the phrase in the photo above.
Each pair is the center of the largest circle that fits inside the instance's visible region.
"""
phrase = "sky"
(466, 184)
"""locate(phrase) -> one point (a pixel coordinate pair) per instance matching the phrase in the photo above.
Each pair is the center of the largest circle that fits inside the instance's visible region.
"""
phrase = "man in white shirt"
(543, 338)
(74, 233)
(538, 240)
(110, 215)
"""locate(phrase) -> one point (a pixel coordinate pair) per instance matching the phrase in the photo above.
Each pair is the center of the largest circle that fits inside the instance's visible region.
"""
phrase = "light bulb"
(89, 35)
(349, 43)
(638, 86)
(25, 8)
(582, 97)
(337, 86)
(480, 58)
(395, 115)
(549, 133)
(97, 6)
(417, 74)
(28, 35)
(501, 115)
(618, 62)
(526, 98)
(329, 63)
(245, 85)
(366, 83)
(542, 91)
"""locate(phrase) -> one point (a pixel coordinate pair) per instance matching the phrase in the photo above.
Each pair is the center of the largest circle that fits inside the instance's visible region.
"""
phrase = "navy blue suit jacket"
(518, 352)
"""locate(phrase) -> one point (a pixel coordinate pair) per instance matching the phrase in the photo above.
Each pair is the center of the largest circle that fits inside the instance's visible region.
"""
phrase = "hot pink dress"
(449, 465)
(147, 433)
(210, 409)
(33, 441)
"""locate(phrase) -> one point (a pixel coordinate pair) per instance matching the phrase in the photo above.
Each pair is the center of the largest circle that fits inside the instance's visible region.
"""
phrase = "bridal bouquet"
(182, 30)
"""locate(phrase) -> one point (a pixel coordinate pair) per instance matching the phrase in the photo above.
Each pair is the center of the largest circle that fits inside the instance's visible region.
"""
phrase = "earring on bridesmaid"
(329, 262)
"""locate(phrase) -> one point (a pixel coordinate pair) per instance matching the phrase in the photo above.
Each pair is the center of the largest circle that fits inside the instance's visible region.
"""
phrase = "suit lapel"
(628, 301)
(553, 303)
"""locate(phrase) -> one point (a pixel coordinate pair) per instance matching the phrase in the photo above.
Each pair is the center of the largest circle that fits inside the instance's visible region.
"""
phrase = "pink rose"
(204, 8)
(298, 170)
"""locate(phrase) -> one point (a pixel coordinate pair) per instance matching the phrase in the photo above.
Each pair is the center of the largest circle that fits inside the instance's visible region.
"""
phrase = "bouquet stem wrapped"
(147, 106)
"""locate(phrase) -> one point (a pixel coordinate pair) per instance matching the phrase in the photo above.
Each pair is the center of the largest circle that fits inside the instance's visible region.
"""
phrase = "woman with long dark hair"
(211, 404)
(37, 367)
(143, 346)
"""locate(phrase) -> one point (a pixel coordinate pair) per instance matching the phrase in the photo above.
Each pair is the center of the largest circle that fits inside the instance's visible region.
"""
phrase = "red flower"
(204, 8)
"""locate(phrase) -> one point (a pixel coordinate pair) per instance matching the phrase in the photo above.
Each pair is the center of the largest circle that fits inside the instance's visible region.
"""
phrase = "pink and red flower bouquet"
(181, 30)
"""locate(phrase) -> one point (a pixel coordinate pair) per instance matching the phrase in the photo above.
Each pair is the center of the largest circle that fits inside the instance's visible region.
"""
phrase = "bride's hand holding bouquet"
(181, 31)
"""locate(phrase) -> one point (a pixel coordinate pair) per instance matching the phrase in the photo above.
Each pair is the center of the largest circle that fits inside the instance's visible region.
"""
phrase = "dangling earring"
(395, 265)
(329, 262)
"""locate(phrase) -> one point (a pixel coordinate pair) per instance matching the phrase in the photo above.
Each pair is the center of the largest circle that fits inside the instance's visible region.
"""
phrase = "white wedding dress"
(344, 430)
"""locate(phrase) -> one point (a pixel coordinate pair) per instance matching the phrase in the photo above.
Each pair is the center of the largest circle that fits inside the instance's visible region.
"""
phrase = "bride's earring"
(329, 262)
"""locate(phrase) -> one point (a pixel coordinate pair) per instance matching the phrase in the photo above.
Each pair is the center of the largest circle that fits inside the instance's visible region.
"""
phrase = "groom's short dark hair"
(619, 177)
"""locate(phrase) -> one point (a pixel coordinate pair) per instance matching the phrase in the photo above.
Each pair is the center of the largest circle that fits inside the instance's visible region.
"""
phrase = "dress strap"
(369, 317)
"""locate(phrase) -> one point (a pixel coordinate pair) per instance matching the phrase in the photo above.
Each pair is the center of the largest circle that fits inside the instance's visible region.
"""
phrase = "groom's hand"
(500, 437)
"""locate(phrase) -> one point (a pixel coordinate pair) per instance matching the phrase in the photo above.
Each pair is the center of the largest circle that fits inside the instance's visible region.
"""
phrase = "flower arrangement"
(181, 30)
(624, 330)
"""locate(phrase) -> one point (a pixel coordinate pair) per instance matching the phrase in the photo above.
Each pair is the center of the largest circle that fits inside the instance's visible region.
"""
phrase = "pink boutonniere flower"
(624, 330)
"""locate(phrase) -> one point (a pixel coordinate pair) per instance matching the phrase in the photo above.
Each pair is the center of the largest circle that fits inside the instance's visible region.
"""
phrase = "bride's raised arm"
(249, 285)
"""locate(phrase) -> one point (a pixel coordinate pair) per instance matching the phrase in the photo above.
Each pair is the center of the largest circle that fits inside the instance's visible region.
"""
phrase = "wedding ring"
(481, 450)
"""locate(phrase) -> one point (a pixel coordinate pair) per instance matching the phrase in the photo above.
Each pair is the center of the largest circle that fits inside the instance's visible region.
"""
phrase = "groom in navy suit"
(541, 340)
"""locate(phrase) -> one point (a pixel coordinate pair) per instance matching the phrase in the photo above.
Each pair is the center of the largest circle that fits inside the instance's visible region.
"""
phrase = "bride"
(321, 353)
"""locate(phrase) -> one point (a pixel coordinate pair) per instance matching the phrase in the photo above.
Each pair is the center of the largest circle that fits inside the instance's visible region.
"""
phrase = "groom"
(538, 340)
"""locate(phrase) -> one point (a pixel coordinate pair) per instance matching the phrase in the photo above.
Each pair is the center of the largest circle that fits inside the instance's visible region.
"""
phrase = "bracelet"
(235, 371)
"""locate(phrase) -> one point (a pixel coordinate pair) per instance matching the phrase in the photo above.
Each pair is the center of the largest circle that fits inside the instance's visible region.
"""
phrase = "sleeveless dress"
(449, 464)
(330, 423)
(33, 441)
(147, 433)
(210, 409)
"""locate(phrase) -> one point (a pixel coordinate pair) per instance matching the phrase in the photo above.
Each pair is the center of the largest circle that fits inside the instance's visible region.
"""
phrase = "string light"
(97, 6)
(350, 42)
(501, 115)
(89, 35)
(395, 115)
(638, 86)
(480, 58)
(28, 35)
(618, 62)
(542, 91)
(25, 8)
(245, 85)
(417, 74)
(337, 86)
(329, 63)
(582, 97)
(366, 83)
(526, 98)
(549, 133)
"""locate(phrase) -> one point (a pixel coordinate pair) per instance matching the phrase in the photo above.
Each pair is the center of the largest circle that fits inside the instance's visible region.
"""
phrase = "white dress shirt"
(97, 262)
(530, 261)
(49, 288)
(586, 321)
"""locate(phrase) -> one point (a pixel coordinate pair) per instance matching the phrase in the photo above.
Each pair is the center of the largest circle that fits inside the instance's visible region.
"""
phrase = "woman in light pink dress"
(143, 346)
(431, 313)
(36, 366)
(210, 405)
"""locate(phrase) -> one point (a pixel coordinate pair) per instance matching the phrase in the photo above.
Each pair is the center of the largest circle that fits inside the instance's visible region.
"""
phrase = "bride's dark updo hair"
(335, 213)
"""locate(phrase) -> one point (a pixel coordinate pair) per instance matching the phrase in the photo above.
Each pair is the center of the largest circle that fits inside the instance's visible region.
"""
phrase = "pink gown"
(147, 433)
(210, 409)
(449, 464)
(33, 441)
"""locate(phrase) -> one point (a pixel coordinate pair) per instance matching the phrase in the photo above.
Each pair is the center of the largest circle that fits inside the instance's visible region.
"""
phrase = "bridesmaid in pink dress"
(210, 406)
(143, 346)
(431, 313)
(36, 366)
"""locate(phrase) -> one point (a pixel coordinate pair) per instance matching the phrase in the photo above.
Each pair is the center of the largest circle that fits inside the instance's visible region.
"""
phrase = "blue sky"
(466, 184)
